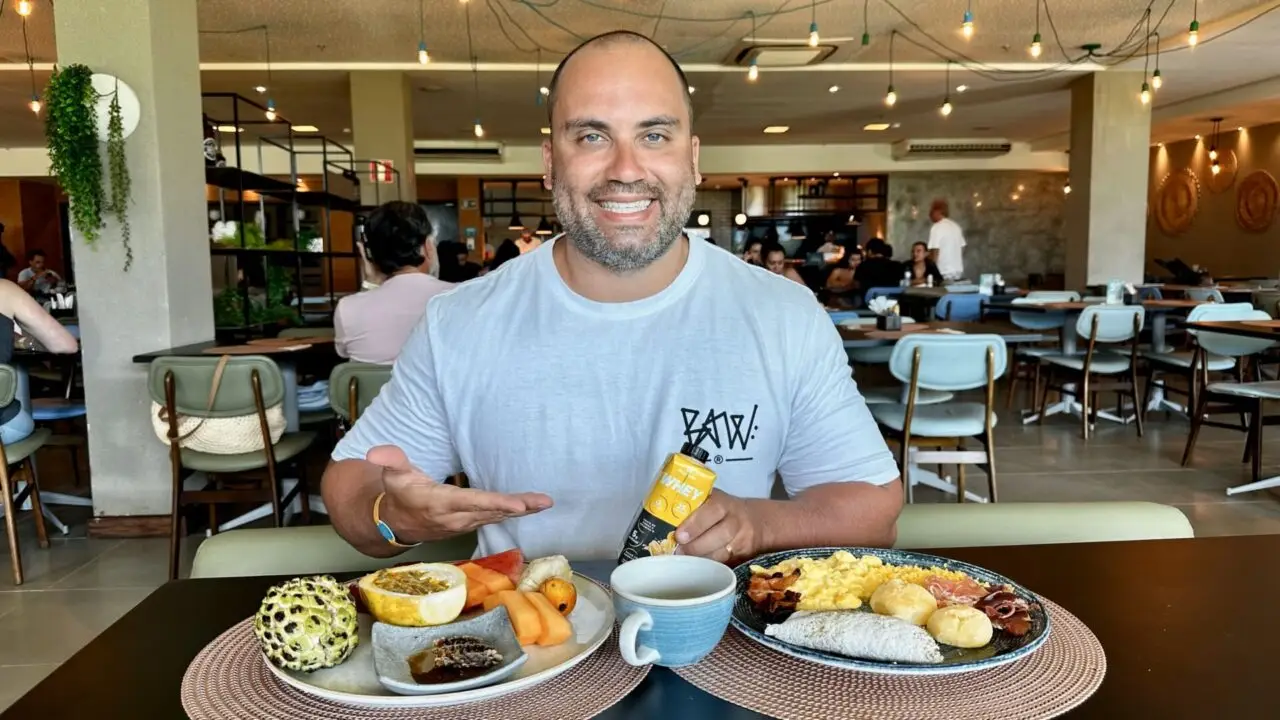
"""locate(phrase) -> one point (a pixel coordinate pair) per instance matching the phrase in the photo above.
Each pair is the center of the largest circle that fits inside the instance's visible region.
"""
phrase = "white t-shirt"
(525, 385)
(947, 238)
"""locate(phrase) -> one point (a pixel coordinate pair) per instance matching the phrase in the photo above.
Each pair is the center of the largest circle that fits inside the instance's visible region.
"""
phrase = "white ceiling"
(328, 36)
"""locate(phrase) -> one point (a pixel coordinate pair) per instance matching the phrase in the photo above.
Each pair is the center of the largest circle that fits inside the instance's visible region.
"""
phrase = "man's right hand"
(419, 509)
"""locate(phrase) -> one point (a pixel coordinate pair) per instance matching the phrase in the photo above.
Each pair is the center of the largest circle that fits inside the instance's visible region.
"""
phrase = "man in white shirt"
(631, 328)
(528, 242)
(946, 242)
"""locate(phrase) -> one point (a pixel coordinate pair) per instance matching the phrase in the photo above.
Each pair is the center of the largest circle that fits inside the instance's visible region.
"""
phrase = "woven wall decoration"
(1256, 200)
(1228, 165)
(1177, 201)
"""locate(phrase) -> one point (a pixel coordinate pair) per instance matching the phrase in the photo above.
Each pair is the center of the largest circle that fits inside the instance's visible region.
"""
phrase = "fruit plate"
(1002, 649)
(355, 682)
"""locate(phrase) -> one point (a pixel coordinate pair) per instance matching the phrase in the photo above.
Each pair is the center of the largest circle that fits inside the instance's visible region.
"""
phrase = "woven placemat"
(229, 680)
(1063, 673)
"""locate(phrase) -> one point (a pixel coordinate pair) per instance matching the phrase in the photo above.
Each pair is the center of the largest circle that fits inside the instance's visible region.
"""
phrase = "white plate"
(355, 682)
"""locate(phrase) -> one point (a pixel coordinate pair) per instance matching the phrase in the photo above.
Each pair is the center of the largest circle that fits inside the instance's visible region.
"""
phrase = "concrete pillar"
(382, 129)
(1106, 211)
(165, 300)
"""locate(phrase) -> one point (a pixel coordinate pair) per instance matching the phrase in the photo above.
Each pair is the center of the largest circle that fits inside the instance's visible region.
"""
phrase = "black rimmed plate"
(1003, 648)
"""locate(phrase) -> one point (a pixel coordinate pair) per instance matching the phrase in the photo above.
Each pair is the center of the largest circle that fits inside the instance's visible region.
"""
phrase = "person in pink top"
(372, 326)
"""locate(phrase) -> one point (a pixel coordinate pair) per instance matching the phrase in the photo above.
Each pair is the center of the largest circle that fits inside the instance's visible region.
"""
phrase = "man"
(36, 278)
(528, 242)
(629, 326)
(878, 269)
(946, 241)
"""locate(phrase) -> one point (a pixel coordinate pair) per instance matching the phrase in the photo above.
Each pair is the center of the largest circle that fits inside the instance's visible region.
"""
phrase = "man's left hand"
(724, 528)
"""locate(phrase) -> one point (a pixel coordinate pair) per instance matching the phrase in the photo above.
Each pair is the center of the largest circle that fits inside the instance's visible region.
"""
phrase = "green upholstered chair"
(307, 551)
(353, 386)
(943, 525)
(250, 384)
(19, 455)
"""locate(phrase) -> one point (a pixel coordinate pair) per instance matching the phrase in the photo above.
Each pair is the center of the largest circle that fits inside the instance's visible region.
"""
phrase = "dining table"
(1175, 647)
(864, 334)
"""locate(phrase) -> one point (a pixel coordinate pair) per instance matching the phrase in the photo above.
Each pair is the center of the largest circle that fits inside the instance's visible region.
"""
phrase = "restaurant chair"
(877, 355)
(1187, 363)
(1240, 397)
(1025, 359)
(17, 456)
(353, 386)
(250, 384)
(947, 363)
(1099, 369)
(889, 292)
(926, 526)
(960, 307)
(1205, 294)
(313, 400)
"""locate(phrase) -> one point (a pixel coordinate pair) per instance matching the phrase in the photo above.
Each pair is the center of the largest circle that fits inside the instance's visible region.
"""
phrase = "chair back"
(1205, 294)
(353, 386)
(8, 384)
(1038, 320)
(1150, 293)
(1115, 323)
(840, 316)
(962, 287)
(1222, 343)
(1048, 296)
(950, 363)
(961, 307)
(873, 293)
(307, 332)
(193, 379)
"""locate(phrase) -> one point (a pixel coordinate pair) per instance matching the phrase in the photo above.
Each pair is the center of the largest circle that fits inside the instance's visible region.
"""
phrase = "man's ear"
(696, 144)
(546, 164)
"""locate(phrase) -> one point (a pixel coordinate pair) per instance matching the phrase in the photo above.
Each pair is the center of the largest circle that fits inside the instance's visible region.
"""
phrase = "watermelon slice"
(509, 563)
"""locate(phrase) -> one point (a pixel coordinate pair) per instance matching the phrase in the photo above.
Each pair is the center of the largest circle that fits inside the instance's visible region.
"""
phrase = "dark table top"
(864, 336)
(1187, 626)
(1262, 330)
(322, 350)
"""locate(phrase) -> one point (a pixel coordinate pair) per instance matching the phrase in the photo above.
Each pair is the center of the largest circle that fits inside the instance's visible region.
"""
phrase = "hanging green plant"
(118, 201)
(71, 127)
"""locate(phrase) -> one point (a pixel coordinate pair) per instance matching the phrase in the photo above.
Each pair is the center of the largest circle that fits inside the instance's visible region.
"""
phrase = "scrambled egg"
(843, 581)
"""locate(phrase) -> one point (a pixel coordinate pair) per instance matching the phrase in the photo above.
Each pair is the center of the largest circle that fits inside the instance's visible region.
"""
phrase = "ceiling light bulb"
(1215, 168)
(1240, 129)
(1197, 136)
(946, 107)
(24, 7)
(891, 97)
(35, 104)
(1035, 46)
(424, 57)
(478, 129)
(1066, 189)
(1145, 95)
(1157, 81)
(966, 27)
(813, 34)
(740, 219)
(271, 110)
(753, 72)
(1193, 33)
(1213, 153)
(692, 89)
(261, 89)
(961, 88)
(544, 90)
(833, 89)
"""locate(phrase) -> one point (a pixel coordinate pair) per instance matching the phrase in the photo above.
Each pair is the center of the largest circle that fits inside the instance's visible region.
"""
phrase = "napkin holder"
(889, 322)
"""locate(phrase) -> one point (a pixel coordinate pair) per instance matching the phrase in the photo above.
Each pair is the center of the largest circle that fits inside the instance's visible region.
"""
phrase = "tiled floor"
(80, 586)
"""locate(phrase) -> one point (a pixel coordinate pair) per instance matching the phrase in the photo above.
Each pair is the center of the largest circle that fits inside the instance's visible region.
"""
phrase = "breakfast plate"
(355, 681)
(839, 581)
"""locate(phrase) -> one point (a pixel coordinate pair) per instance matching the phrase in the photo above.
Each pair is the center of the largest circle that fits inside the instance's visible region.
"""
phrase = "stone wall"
(1012, 220)
(722, 205)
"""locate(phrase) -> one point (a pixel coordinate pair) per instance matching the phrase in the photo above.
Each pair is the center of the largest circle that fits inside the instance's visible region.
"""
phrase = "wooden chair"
(1190, 364)
(353, 386)
(18, 455)
(249, 385)
(1025, 360)
(1098, 369)
(946, 363)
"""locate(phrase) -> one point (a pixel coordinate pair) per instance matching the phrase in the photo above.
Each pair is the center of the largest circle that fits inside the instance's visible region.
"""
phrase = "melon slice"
(555, 627)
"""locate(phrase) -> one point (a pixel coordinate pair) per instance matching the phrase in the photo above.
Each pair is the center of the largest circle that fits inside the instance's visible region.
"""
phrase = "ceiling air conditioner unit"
(949, 149)
(778, 53)
(458, 150)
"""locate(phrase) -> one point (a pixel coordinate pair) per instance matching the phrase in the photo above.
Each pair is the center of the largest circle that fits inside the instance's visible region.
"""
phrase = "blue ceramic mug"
(673, 608)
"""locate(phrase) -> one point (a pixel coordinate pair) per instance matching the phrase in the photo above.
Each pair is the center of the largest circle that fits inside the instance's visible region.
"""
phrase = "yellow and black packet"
(681, 487)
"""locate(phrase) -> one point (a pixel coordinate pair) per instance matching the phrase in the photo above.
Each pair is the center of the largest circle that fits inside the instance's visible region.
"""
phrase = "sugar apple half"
(306, 624)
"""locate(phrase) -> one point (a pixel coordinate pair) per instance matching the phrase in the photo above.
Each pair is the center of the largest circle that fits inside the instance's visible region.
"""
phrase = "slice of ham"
(1007, 611)
(955, 592)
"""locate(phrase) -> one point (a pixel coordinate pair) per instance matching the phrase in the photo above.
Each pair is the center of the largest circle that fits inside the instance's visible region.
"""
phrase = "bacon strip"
(1007, 611)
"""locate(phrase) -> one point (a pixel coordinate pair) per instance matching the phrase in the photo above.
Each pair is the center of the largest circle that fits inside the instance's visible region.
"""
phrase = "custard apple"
(307, 624)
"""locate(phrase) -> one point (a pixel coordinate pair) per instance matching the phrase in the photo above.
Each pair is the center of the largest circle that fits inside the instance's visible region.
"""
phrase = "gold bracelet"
(383, 529)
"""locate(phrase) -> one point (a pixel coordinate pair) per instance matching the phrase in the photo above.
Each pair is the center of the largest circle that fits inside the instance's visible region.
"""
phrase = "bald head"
(617, 40)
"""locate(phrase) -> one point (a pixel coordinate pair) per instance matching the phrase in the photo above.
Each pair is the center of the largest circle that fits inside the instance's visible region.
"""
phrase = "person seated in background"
(371, 326)
(454, 265)
(36, 278)
(508, 250)
(751, 251)
(527, 242)
(19, 310)
(922, 267)
(840, 286)
(878, 269)
(775, 261)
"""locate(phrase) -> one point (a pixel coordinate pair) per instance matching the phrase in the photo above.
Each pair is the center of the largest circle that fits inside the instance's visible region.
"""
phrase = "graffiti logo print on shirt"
(724, 434)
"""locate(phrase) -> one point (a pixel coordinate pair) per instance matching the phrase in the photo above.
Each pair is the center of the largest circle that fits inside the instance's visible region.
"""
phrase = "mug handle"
(628, 642)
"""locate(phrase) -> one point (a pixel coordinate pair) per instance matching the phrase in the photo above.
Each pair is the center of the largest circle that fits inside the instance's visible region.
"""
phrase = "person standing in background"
(527, 242)
(946, 241)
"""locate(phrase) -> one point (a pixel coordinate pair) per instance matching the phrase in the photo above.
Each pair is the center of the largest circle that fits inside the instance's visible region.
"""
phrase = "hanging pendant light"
(424, 57)
(891, 96)
(1193, 30)
(271, 110)
(478, 129)
(813, 24)
(966, 26)
(24, 7)
(753, 69)
(35, 104)
(544, 227)
(945, 109)
(515, 223)
(866, 27)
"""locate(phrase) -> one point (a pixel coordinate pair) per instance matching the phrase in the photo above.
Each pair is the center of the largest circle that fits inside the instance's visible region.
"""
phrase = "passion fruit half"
(415, 595)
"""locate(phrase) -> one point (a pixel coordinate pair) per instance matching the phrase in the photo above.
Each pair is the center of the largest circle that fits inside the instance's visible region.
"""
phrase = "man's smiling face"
(622, 158)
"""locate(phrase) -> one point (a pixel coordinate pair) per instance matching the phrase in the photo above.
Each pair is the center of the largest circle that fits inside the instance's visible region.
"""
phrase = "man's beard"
(615, 254)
